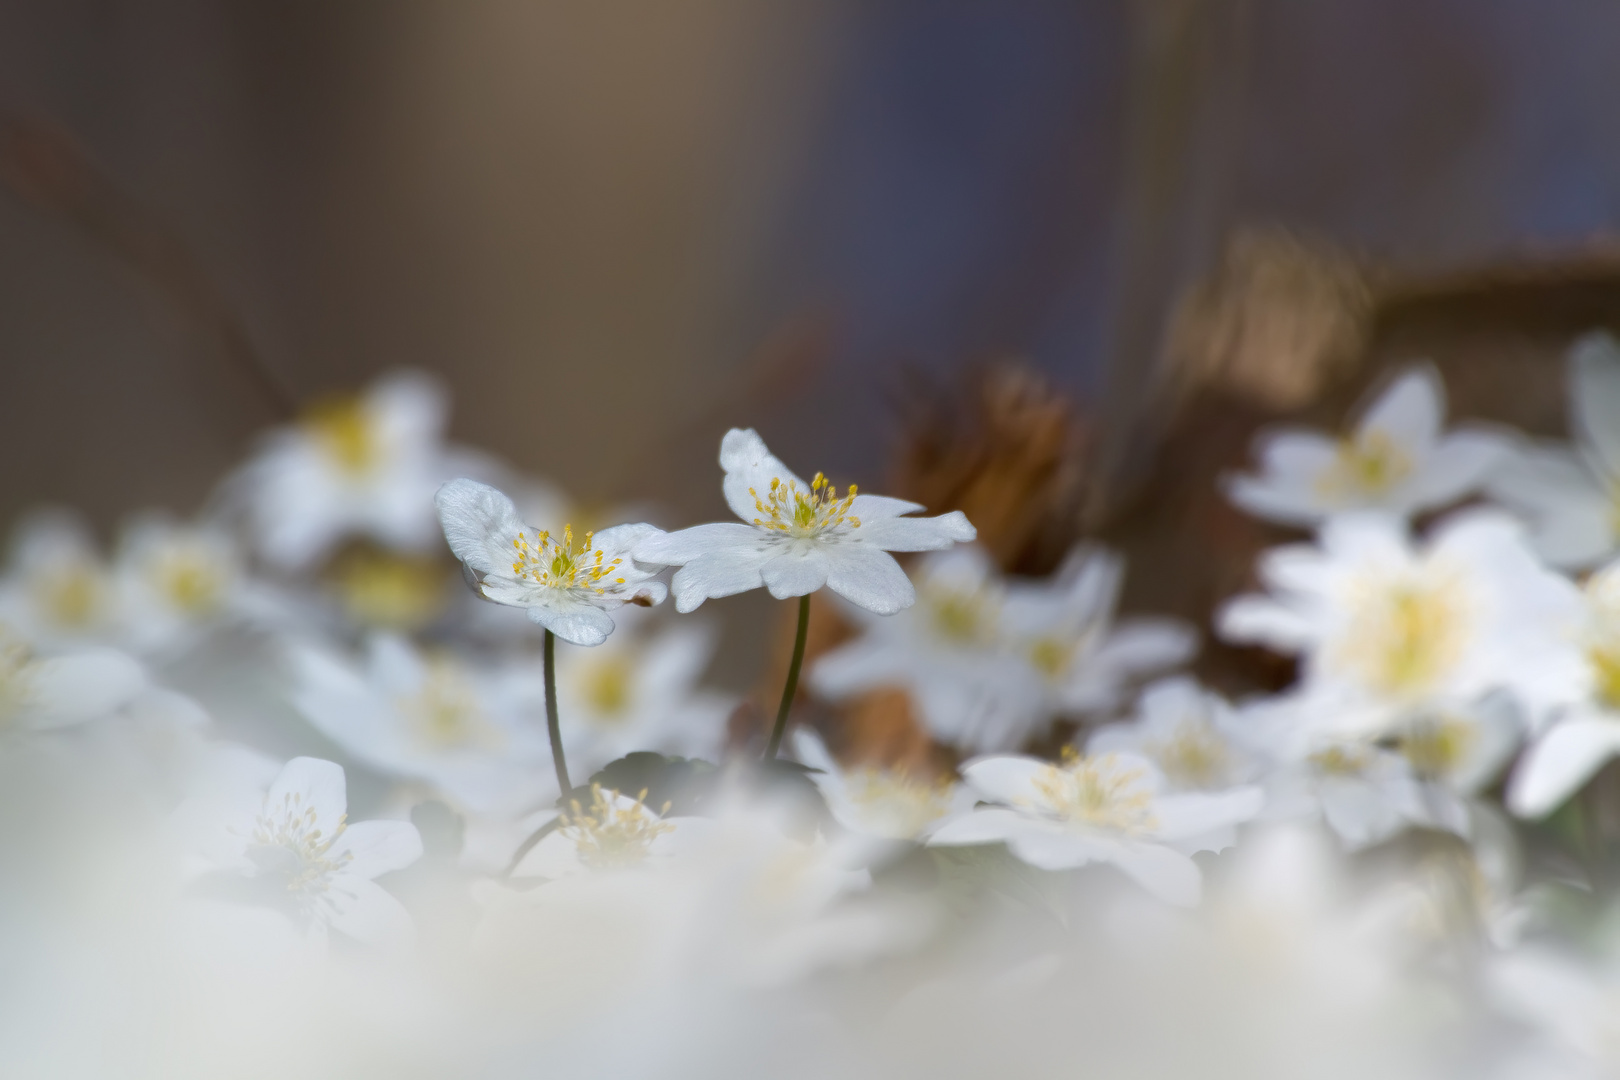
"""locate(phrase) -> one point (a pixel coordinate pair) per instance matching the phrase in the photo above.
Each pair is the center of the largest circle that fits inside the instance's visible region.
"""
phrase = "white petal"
(748, 464)
(1167, 874)
(1050, 846)
(1594, 397)
(1560, 763)
(72, 689)
(717, 574)
(624, 539)
(366, 912)
(1261, 621)
(314, 783)
(1410, 411)
(1004, 777)
(577, 623)
(480, 524)
(1270, 501)
(379, 846)
(989, 826)
(798, 570)
(874, 507)
(1457, 467)
(1182, 816)
(917, 534)
(868, 577)
(410, 407)
(682, 547)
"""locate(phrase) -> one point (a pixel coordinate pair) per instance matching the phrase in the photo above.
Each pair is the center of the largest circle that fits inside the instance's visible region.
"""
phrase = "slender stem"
(553, 728)
(792, 686)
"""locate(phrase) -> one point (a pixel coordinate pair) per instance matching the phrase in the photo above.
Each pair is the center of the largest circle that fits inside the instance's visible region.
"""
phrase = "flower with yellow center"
(567, 585)
(882, 803)
(42, 692)
(1191, 734)
(1397, 459)
(799, 536)
(607, 832)
(1108, 807)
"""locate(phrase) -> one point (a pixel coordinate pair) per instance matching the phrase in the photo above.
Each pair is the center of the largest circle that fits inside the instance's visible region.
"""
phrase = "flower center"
(562, 566)
(958, 616)
(445, 713)
(1194, 756)
(1435, 747)
(607, 686)
(1368, 465)
(609, 836)
(1605, 662)
(397, 592)
(192, 582)
(1342, 761)
(1051, 655)
(344, 430)
(71, 594)
(1097, 791)
(898, 803)
(1406, 636)
(290, 829)
(784, 508)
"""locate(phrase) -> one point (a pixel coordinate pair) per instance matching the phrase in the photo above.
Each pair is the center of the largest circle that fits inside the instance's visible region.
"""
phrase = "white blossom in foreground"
(884, 804)
(476, 735)
(1586, 734)
(799, 537)
(567, 589)
(57, 589)
(301, 848)
(365, 466)
(1387, 630)
(40, 692)
(604, 831)
(1110, 808)
(1568, 494)
(1396, 460)
(1196, 739)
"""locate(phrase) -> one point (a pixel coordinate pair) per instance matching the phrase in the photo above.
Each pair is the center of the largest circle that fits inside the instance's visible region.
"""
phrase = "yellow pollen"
(607, 685)
(607, 836)
(561, 565)
(344, 429)
(1341, 761)
(784, 508)
(901, 805)
(72, 595)
(292, 826)
(1605, 662)
(1051, 655)
(1365, 466)
(395, 592)
(1195, 756)
(1096, 791)
(1405, 636)
(1436, 747)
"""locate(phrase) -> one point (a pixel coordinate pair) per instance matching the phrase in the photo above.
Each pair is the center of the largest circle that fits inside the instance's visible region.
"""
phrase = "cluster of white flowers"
(572, 863)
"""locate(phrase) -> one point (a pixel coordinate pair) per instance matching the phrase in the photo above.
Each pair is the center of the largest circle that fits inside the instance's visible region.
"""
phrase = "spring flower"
(884, 804)
(1397, 460)
(568, 587)
(57, 589)
(1111, 808)
(605, 832)
(363, 466)
(1385, 630)
(799, 537)
(1194, 737)
(301, 848)
(1570, 496)
(43, 692)
(472, 734)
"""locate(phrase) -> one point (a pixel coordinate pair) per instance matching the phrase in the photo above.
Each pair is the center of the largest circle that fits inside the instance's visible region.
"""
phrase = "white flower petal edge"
(568, 589)
(798, 538)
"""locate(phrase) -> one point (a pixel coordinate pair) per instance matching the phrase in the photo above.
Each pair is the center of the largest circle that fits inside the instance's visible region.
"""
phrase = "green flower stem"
(792, 686)
(553, 728)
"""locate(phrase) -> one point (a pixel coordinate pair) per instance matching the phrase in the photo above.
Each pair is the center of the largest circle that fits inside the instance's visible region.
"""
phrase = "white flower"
(1194, 737)
(301, 846)
(991, 662)
(42, 692)
(57, 589)
(1569, 495)
(1587, 733)
(608, 832)
(884, 804)
(1397, 460)
(1110, 808)
(366, 466)
(639, 692)
(476, 736)
(799, 537)
(567, 589)
(1386, 631)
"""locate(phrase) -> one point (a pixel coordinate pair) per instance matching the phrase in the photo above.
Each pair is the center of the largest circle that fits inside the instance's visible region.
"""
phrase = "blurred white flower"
(640, 692)
(800, 537)
(1568, 494)
(566, 589)
(300, 846)
(57, 589)
(607, 832)
(1111, 808)
(884, 804)
(477, 735)
(1571, 1006)
(1396, 460)
(44, 691)
(1586, 733)
(362, 466)
(1386, 631)
(1194, 737)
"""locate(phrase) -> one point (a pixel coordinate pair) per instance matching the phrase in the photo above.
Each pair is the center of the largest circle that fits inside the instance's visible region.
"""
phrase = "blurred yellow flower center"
(344, 429)
(1341, 760)
(395, 592)
(1368, 465)
(960, 616)
(1051, 655)
(1097, 791)
(785, 508)
(900, 804)
(189, 580)
(1436, 747)
(609, 836)
(1194, 756)
(562, 566)
(72, 595)
(291, 826)
(1405, 636)
(607, 685)
(445, 712)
